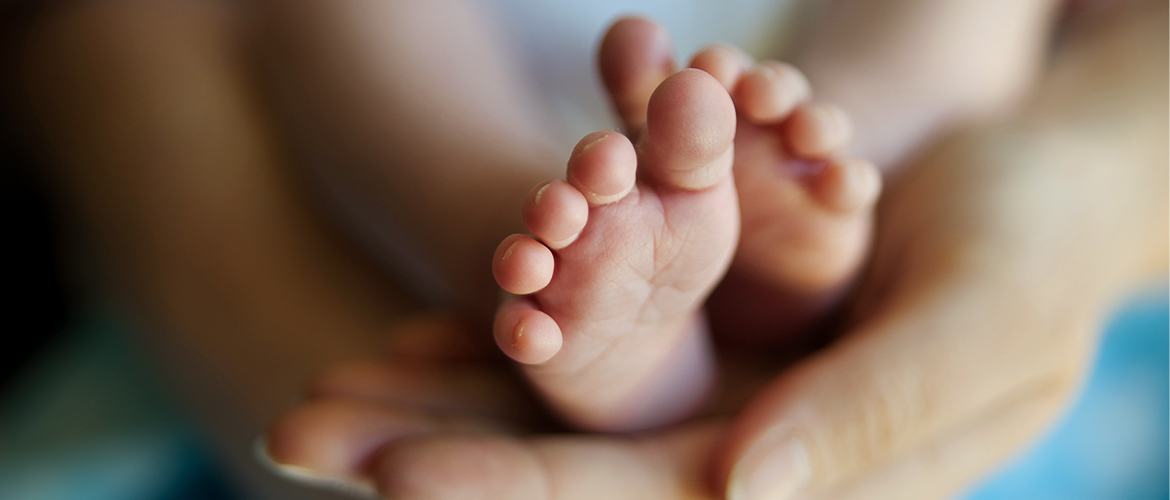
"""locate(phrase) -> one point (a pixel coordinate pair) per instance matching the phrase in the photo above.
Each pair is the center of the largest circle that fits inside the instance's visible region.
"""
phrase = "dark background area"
(36, 303)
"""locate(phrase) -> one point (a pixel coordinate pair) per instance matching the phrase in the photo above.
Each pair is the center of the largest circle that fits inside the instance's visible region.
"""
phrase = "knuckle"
(889, 414)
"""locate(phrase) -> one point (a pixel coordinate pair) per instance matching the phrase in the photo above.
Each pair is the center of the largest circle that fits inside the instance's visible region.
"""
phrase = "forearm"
(144, 108)
(418, 115)
(1066, 199)
(908, 70)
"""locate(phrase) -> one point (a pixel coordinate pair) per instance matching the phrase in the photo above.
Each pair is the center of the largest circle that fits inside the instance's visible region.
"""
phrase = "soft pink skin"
(806, 208)
(823, 212)
(625, 293)
(884, 414)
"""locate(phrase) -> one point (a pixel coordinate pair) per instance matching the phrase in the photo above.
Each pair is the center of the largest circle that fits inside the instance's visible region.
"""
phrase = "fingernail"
(309, 477)
(771, 470)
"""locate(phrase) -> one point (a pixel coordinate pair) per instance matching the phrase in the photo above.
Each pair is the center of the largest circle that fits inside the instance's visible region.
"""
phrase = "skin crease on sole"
(638, 237)
(806, 224)
(821, 207)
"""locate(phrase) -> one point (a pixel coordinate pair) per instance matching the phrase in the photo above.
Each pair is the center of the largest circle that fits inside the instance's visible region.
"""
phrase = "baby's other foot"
(608, 327)
(806, 208)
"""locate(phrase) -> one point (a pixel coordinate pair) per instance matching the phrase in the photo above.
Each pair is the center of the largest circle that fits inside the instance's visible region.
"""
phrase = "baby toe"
(603, 167)
(525, 333)
(635, 56)
(724, 62)
(555, 212)
(770, 90)
(848, 185)
(817, 131)
(522, 265)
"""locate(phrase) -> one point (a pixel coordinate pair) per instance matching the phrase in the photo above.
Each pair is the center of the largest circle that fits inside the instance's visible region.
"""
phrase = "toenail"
(517, 334)
(833, 119)
(826, 122)
(508, 252)
(540, 194)
(590, 144)
(769, 73)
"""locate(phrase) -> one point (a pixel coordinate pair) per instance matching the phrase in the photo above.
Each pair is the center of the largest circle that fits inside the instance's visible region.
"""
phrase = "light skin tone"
(611, 334)
(668, 465)
(969, 335)
(616, 316)
(465, 176)
(177, 184)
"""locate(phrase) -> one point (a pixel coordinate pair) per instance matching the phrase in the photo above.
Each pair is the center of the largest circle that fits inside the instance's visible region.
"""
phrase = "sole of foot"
(806, 206)
(624, 252)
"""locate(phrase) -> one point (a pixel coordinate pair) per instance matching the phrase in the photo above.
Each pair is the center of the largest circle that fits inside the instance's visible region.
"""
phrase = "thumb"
(886, 391)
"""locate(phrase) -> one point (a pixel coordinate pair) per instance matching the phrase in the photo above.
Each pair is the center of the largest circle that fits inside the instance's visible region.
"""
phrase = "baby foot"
(806, 209)
(608, 327)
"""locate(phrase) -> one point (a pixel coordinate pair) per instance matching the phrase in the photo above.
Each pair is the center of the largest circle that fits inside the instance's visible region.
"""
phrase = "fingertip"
(521, 265)
(332, 438)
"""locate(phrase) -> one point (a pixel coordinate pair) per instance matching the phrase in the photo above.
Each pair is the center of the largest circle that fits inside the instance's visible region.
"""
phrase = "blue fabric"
(87, 422)
(1114, 443)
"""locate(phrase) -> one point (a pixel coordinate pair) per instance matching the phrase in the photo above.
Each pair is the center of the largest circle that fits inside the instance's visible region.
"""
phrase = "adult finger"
(355, 445)
(942, 467)
(487, 391)
(436, 337)
(891, 387)
(666, 466)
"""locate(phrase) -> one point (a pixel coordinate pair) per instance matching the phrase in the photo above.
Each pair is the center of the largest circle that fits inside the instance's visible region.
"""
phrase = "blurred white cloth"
(557, 41)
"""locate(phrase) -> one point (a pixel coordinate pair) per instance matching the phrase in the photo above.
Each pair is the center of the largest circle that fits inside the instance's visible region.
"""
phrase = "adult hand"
(997, 255)
(443, 416)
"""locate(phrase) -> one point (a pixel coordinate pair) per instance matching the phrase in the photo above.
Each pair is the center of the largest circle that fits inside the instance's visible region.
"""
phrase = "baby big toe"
(689, 132)
(634, 57)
